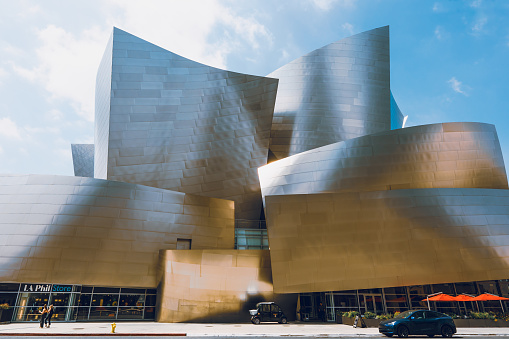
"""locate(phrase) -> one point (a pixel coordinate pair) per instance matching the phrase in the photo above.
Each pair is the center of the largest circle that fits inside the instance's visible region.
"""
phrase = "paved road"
(246, 330)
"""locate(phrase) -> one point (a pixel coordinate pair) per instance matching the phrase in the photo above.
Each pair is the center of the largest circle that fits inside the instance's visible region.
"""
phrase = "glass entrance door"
(371, 303)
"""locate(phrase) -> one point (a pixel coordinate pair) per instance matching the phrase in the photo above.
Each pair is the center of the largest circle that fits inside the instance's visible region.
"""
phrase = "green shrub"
(369, 315)
(385, 316)
(350, 314)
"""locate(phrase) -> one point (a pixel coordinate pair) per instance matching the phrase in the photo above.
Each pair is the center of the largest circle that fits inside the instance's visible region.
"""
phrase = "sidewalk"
(222, 330)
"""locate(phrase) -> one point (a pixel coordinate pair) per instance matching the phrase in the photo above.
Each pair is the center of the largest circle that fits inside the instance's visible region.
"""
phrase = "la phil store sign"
(46, 288)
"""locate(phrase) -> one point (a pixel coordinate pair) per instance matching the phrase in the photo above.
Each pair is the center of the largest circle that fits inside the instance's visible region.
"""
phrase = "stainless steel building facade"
(169, 225)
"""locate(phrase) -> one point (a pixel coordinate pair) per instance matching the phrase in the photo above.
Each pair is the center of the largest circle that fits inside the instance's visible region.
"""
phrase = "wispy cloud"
(326, 5)
(9, 129)
(457, 86)
(476, 3)
(347, 27)
(479, 24)
(439, 33)
(437, 7)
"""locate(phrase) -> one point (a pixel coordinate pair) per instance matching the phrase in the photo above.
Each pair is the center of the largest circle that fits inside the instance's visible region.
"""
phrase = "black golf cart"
(267, 311)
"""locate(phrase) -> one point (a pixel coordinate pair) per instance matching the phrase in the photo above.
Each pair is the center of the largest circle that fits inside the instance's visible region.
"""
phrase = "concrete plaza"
(216, 330)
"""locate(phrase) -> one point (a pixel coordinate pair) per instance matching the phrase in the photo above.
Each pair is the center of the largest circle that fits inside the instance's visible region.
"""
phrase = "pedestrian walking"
(51, 310)
(44, 313)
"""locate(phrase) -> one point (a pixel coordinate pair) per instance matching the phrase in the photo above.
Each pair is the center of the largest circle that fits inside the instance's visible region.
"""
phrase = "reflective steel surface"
(355, 240)
(337, 92)
(215, 285)
(57, 229)
(429, 156)
(169, 122)
(83, 160)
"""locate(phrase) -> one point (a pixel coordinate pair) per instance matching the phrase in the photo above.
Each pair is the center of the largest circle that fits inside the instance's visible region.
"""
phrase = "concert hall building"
(207, 191)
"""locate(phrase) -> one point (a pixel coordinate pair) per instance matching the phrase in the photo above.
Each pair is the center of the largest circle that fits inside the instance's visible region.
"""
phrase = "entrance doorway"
(371, 303)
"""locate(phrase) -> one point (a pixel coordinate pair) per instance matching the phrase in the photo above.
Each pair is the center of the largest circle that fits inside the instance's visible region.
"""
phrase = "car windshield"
(403, 315)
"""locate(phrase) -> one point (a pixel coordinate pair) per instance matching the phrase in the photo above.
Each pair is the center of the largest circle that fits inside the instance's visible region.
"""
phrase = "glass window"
(150, 313)
(183, 244)
(130, 313)
(274, 308)
(132, 300)
(132, 291)
(60, 299)
(150, 300)
(266, 308)
(82, 313)
(488, 287)
(418, 315)
(345, 300)
(151, 291)
(504, 287)
(86, 289)
(101, 312)
(105, 300)
(9, 287)
(420, 289)
(84, 300)
(106, 290)
(395, 290)
(8, 298)
(465, 287)
(371, 291)
(444, 288)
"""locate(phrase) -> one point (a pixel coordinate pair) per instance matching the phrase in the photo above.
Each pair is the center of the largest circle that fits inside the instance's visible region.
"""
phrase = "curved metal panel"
(215, 285)
(343, 241)
(397, 118)
(184, 126)
(429, 156)
(337, 92)
(58, 229)
(83, 160)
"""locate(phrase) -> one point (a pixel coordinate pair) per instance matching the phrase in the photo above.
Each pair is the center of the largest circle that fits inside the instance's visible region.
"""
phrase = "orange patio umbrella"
(466, 297)
(438, 297)
(489, 296)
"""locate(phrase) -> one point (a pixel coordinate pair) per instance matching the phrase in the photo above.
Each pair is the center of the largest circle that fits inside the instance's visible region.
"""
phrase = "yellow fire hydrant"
(113, 326)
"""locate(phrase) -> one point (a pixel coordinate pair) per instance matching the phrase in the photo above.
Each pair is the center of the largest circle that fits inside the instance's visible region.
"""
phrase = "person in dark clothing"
(44, 313)
(321, 312)
(51, 310)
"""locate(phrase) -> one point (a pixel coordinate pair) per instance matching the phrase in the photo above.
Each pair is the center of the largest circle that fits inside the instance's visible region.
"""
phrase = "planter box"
(347, 321)
(369, 322)
(480, 323)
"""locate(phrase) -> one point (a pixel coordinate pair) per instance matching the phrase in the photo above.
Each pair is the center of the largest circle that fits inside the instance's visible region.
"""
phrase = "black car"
(267, 311)
(421, 322)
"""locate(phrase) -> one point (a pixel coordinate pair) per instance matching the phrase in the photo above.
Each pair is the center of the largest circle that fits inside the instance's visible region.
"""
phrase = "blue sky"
(449, 59)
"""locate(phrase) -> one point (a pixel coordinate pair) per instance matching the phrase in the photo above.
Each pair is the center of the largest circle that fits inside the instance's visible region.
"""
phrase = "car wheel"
(402, 331)
(256, 321)
(388, 335)
(446, 331)
(284, 321)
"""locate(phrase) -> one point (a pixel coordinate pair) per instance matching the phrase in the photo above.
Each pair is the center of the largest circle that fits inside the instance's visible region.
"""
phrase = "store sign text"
(36, 288)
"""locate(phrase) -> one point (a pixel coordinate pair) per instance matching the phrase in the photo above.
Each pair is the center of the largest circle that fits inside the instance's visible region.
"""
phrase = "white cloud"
(209, 35)
(476, 3)
(478, 26)
(437, 7)
(457, 86)
(54, 114)
(9, 129)
(67, 66)
(1, 150)
(326, 5)
(347, 27)
(438, 33)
